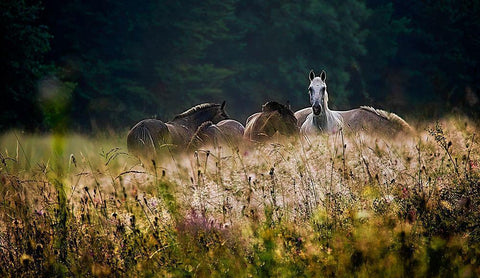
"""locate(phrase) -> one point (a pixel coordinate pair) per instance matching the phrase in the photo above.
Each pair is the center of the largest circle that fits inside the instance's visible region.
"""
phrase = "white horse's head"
(318, 92)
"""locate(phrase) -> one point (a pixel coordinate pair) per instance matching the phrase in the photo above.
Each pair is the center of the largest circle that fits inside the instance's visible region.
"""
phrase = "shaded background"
(89, 65)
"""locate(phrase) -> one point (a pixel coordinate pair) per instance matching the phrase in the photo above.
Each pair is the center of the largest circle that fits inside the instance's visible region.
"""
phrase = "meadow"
(330, 206)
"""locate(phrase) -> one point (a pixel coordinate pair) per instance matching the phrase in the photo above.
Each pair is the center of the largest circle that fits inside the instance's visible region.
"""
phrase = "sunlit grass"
(328, 206)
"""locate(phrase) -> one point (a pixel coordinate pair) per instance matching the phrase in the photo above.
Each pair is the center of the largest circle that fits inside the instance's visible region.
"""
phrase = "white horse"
(319, 118)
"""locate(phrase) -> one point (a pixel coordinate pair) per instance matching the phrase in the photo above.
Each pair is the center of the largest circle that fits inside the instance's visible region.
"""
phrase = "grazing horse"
(275, 118)
(226, 132)
(147, 137)
(319, 118)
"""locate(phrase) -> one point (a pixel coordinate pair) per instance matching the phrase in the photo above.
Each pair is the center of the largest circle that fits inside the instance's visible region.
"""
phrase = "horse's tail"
(145, 137)
(396, 122)
(401, 123)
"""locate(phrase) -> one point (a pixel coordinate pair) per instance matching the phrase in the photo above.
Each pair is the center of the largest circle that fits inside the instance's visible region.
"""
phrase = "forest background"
(89, 65)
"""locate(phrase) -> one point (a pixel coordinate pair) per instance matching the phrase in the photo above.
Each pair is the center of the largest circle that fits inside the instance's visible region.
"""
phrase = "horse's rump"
(274, 119)
(146, 137)
(231, 131)
(226, 132)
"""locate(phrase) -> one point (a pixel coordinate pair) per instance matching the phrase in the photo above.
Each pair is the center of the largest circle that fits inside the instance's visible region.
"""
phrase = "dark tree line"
(112, 63)
(24, 41)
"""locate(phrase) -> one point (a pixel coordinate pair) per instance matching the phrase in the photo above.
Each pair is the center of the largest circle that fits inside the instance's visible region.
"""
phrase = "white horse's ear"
(323, 75)
(223, 105)
(311, 75)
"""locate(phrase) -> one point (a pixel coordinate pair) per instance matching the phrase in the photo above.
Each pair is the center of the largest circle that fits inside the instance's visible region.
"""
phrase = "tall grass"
(337, 206)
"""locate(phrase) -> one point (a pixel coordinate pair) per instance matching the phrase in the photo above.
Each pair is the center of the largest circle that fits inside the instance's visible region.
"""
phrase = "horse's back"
(302, 114)
(375, 121)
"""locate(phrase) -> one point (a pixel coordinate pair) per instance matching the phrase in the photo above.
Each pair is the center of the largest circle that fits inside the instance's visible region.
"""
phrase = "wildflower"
(153, 202)
(404, 192)
(473, 165)
(133, 192)
(388, 198)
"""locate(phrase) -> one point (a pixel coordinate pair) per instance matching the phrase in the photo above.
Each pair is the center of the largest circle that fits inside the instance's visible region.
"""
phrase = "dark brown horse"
(150, 136)
(225, 133)
(275, 118)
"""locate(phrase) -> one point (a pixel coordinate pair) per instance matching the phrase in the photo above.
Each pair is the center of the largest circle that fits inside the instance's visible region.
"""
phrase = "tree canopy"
(117, 62)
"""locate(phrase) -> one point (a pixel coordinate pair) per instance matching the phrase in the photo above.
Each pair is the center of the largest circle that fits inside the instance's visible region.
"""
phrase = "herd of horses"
(209, 124)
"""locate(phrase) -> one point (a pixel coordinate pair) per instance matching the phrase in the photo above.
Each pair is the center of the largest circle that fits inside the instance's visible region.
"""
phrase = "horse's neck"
(329, 121)
(195, 120)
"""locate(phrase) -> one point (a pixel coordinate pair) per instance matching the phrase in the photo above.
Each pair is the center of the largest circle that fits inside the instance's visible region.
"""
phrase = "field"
(332, 206)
